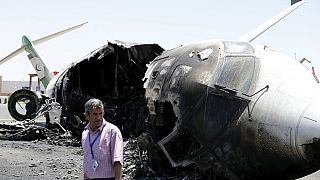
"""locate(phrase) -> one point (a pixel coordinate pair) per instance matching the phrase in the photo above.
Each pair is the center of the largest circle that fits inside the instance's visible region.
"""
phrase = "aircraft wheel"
(24, 104)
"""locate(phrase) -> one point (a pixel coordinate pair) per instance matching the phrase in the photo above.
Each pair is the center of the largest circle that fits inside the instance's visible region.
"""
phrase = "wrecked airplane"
(226, 109)
(216, 104)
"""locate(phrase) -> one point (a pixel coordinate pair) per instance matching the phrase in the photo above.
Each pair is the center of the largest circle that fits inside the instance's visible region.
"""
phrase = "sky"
(169, 23)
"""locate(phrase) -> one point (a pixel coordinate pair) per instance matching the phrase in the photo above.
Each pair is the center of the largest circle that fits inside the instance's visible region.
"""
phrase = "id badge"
(95, 165)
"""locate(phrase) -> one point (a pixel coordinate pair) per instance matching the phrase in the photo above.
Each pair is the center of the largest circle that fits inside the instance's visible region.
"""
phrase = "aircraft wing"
(38, 41)
(268, 24)
(16, 52)
(46, 38)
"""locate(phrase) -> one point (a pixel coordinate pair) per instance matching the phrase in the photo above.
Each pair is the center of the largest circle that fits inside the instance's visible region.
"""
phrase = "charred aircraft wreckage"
(227, 109)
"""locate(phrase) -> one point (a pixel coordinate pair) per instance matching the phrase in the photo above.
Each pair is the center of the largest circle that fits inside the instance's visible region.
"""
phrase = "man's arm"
(117, 170)
(117, 152)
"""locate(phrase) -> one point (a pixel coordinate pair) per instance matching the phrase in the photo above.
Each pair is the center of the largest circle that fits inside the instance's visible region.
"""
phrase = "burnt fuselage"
(236, 109)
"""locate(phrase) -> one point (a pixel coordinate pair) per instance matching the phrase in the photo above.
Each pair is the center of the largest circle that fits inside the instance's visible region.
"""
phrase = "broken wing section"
(113, 74)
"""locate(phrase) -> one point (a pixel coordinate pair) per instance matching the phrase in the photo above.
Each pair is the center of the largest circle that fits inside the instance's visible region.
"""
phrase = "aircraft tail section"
(41, 69)
(268, 24)
(37, 63)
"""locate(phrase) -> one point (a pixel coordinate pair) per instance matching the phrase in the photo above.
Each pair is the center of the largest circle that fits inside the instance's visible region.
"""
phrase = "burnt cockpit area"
(203, 84)
(113, 74)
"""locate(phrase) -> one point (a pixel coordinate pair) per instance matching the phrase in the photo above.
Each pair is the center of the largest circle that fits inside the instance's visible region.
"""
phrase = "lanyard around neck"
(95, 139)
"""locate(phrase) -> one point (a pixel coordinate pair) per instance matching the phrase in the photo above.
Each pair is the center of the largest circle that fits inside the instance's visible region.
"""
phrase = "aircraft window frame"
(236, 47)
(234, 75)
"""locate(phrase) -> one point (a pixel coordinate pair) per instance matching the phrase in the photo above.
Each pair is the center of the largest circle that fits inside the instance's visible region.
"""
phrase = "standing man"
(102, 145)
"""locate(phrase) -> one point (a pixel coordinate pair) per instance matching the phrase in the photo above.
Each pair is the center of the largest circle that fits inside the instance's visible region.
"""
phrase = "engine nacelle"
(24, 104)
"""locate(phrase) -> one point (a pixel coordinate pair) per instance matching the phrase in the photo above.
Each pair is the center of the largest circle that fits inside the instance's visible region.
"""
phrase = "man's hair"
(92, 103)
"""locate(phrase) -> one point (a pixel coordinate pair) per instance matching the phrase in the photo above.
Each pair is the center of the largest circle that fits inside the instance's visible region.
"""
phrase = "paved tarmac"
(4, 113)
(5, 118)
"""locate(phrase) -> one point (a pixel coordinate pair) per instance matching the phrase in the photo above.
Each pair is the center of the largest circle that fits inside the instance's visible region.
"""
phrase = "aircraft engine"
(24, 104)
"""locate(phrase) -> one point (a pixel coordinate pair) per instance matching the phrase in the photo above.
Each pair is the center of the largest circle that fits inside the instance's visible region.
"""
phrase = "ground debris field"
(38, 160)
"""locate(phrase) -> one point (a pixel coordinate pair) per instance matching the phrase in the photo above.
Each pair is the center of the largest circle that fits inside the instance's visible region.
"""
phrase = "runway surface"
(4, 113)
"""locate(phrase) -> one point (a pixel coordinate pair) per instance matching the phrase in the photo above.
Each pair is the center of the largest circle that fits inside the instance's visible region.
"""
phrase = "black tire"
(24, 94)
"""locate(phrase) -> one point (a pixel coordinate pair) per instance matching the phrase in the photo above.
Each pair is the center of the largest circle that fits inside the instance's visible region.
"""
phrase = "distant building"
(12, 86)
